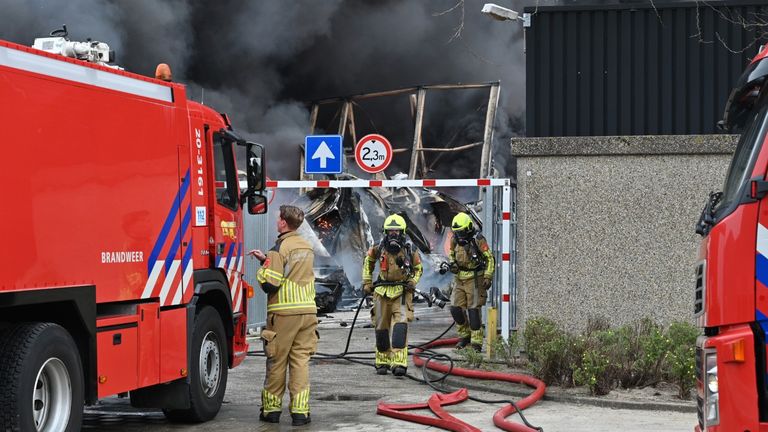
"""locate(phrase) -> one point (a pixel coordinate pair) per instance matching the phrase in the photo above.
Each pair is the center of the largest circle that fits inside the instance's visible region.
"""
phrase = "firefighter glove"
(454, 267)
(411, 285)
(486, 283)
(367, 288)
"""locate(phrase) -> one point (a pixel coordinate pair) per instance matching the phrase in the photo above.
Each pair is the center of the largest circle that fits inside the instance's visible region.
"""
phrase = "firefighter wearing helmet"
(399, 272)
(472, 262)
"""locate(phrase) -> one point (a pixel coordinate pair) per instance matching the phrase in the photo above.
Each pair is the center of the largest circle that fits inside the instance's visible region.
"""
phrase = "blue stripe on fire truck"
(168, 223)
(181, 232)
(761, 269)
(229, 255)
(187, 255)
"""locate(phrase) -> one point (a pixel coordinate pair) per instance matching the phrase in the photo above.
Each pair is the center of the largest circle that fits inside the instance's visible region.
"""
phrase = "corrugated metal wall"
(258, 229)
(636, 70)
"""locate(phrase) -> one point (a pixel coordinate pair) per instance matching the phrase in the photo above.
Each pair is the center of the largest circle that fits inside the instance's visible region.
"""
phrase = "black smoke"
(261, 61)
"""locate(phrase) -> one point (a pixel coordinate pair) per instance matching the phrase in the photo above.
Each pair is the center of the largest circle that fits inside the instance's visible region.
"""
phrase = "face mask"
(463, 237)
(393, 246)
(393, 243)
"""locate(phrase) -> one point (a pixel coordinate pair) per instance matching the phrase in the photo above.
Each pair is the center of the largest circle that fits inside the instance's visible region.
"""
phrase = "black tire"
(39, 357)
(205, 402)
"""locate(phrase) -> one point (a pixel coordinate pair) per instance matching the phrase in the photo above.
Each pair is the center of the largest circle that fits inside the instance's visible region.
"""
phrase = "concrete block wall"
(606, 224)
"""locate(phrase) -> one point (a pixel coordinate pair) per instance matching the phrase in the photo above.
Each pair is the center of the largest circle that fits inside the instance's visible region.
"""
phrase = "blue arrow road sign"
(323, 154)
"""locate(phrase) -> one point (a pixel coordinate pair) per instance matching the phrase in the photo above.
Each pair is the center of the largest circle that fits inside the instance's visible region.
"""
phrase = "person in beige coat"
(290, 338)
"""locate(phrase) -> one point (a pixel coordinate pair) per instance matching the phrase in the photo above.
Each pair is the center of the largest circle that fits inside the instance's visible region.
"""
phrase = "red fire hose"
(500, 417)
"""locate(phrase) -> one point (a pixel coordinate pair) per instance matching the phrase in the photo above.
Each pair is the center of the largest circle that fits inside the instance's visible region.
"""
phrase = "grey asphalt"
(344, 396)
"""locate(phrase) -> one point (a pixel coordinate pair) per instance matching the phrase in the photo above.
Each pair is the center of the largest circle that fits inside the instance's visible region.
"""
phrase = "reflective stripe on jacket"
(287, 276)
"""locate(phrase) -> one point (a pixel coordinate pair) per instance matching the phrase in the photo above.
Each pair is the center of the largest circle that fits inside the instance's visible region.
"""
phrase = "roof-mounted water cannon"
(90, 51)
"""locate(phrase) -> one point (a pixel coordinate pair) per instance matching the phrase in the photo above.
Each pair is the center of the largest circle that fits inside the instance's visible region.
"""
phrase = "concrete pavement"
(344, 396)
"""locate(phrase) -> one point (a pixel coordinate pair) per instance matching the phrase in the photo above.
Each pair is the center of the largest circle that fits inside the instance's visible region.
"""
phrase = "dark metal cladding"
(632, 69)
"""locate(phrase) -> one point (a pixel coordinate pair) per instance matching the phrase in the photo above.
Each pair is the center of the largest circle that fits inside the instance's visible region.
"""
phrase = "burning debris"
(331, 284)
(346, 223)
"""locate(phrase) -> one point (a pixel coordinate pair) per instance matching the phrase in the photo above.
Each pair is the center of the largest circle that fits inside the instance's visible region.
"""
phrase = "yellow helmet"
(394, 222)
(461, 223)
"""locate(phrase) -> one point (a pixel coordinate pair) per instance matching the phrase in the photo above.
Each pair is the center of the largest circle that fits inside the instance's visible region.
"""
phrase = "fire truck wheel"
(208, 369)
(41, 379)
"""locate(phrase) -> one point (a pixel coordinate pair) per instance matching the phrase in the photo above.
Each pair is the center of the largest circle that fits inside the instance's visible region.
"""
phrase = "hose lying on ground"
(426, 358)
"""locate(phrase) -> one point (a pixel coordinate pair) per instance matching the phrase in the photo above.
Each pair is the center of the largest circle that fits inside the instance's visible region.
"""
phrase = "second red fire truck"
(731, 300)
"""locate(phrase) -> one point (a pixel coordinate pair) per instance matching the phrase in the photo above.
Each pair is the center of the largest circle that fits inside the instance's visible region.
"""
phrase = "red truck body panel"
(109, 181)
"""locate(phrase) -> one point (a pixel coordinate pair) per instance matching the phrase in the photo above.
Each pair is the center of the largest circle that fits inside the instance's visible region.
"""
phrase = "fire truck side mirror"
(257, 204)
(256, 167)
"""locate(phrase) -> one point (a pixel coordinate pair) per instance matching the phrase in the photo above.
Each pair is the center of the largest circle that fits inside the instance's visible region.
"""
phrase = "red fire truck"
(731, 300)
(123, 257)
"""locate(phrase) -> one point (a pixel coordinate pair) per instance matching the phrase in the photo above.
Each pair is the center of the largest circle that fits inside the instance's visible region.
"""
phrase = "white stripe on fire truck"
(188, 276)
(235, 283)
(762, 240)
(239, 296)
(152, 280)
(231, 264)
(183, 284)
(169, 277)
(86, 75)
(177, 292)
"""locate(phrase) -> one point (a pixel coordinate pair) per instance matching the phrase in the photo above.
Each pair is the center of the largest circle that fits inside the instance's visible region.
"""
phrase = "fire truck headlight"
(712, 400)
(712, 380)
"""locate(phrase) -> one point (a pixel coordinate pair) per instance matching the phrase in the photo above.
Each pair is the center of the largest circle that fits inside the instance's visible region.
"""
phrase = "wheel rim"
(210, 364)
(52, 397)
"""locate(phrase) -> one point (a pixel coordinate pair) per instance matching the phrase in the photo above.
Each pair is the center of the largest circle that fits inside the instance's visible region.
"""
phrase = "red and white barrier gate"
(504, 266)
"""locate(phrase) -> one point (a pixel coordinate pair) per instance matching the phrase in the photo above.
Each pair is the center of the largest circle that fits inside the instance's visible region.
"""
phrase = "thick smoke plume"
(260, 61)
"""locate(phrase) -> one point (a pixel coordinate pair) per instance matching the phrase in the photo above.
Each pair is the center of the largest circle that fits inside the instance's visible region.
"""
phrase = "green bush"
(471, 358)
(640, 351)
(597, 368)
(552, 353)
(634, 355)
(682, 361)
(506, 351)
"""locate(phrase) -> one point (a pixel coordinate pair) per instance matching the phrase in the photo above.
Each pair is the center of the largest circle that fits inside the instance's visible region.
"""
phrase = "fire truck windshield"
(750, 143)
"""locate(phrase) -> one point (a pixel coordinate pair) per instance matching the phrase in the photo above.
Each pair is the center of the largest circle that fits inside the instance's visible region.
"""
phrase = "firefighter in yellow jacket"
(399, 272)
(291, 335)
(472, 262)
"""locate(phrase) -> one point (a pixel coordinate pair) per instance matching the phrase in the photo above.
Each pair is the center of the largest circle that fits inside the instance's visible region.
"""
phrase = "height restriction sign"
(373, 153)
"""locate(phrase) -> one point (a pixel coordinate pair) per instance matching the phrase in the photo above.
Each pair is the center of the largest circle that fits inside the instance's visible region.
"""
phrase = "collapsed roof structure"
(347, 221)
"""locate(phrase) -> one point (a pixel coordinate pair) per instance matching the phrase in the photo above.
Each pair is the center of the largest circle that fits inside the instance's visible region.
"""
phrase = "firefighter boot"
(462, 343)
(270, 417)
(399, 349)
(382, 369)
(300, 419)
(476, 327)
(460, 318)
